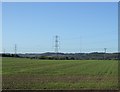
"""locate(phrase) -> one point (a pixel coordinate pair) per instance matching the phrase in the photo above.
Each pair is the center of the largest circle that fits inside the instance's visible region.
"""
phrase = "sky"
(60, 0)
(81, 27)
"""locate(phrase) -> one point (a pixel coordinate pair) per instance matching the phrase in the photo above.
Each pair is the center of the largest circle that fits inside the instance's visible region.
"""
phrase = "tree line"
(68, 56)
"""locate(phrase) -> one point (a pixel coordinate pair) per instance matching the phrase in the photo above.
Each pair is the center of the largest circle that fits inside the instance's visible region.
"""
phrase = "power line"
(105, 50)
(56, 45)
(80, 45)
(15, 49)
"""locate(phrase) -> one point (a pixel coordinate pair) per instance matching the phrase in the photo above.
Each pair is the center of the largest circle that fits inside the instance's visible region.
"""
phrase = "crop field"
(21, 73)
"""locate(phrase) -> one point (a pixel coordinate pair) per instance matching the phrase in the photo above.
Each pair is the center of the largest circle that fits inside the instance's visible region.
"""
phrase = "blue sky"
(81, 27)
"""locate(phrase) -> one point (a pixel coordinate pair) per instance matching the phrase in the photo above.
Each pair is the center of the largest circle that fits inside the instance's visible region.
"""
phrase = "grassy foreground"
(20, 73)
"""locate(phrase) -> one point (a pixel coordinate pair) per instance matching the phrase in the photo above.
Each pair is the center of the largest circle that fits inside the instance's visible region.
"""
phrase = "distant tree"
(42, 57)
(72, 58)
(67, 58)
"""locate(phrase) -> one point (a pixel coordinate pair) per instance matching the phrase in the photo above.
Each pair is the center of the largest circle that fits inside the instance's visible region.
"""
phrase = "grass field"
(21, 73)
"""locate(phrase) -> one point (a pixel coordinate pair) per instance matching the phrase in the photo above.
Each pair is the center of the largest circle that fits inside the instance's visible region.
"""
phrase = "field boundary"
(60, 90)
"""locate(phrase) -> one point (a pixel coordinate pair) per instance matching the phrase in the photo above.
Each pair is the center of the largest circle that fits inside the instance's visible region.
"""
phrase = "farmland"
(22, 73)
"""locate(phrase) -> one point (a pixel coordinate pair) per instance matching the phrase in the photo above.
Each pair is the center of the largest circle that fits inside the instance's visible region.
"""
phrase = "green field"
(21, 73)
